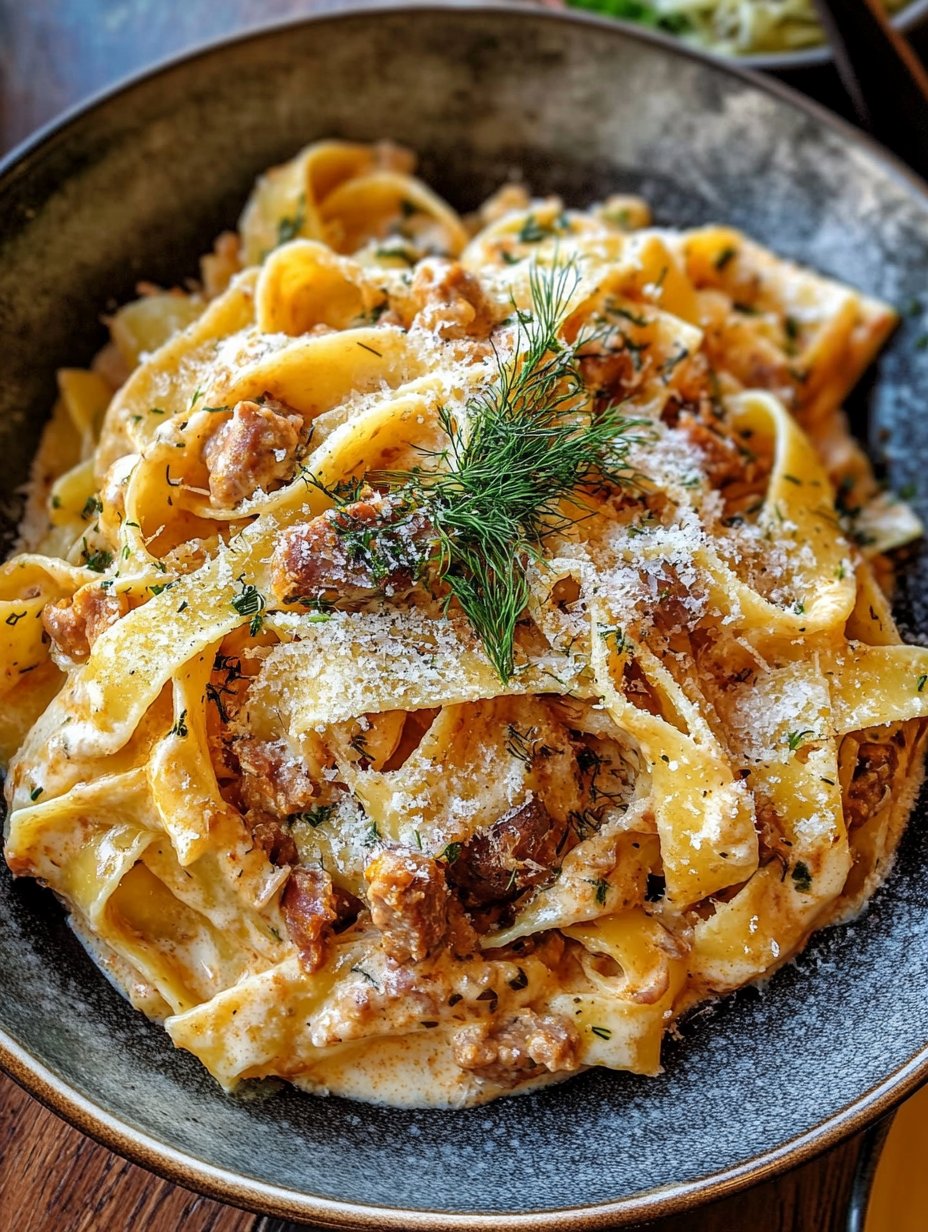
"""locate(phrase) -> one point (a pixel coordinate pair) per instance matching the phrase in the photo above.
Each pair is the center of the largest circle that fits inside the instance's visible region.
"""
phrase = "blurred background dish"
(763, 34)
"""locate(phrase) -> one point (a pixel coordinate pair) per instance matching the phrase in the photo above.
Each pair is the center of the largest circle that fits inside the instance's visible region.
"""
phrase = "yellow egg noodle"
(340, 799)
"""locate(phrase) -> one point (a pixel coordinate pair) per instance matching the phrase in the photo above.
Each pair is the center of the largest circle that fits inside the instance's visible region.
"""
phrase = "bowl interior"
(138, 186)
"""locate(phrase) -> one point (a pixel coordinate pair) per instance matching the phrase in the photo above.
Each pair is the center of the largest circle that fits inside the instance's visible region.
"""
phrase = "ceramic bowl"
(136, 185)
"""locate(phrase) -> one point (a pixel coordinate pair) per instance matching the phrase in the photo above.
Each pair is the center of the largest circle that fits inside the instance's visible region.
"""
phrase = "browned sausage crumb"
(75, 624)
(522, 1046)
(514, 853)
(255, 448)
(271, 836)
(450, 300)
(409, 902)
(872, 780)
(309, 908)
(370, 547)
(723, 463)
(273, 780)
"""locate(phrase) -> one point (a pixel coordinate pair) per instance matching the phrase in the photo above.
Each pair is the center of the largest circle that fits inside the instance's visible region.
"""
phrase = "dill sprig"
(525, 446)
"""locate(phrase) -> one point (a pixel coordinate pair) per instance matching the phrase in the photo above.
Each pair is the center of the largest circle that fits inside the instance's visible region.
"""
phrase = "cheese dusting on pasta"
(443, 651)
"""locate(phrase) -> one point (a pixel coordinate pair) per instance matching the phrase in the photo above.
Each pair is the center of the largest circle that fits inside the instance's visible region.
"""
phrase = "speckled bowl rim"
(80, 1111)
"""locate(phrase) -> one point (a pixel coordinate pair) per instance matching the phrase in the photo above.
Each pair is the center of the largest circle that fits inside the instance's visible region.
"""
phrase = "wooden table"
(54, 53)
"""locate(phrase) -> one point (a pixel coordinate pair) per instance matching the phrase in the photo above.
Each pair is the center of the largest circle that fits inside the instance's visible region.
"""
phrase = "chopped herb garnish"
(372, 835)
(616, 311)
(795, 739)
(603, 1032)
(922, 681)
(620, 642)
(519, 744)
(802, 878)
(531, 442)
(92, 506)
(180, 727)
(250, 602)
(15, 617)
(288, 228)
(99, 561)
(671, 363)
(396, 252)
(533, 232)
(450, 853)
(370, 979)
(727, 255)
(35, 793)
(602, 889)
(374, 314)
(317, 816)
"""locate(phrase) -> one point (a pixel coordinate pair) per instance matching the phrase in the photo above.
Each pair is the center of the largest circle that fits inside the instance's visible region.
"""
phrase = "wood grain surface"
(53, 1179)
(53, 53)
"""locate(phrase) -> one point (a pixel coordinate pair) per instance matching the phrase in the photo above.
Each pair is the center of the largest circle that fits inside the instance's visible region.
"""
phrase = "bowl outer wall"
(136, 186)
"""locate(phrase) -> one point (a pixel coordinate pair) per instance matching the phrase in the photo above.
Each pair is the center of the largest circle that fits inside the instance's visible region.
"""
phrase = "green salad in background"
(731, 27)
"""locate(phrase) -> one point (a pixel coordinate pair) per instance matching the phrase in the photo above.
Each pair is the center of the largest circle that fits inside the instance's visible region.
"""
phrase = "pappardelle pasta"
(442, 651)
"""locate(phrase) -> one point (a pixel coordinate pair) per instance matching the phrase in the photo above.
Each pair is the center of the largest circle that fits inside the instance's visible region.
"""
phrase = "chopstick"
(887, 83)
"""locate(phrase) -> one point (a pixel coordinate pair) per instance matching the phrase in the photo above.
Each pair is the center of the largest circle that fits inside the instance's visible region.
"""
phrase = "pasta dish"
(441, 651)
(728, 27)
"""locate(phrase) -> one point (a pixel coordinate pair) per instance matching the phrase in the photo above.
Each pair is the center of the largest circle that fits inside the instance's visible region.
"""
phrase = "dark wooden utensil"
(887, 83)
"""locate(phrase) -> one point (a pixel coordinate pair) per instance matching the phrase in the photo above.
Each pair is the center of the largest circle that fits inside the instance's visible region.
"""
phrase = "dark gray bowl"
(137, 184)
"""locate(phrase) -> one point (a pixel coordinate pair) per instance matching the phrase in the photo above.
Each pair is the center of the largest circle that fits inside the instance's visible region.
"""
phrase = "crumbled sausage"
(271, 836)
(347, 908)
(514, 853)
(522, 1046)
(372, 546)
(723, 463)
(308, 906)
(872, 780)
(610, 375)
(255, 448)
(273, 780)
(75, 624)
(772, 844)
(409, 901)
(450, 300)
